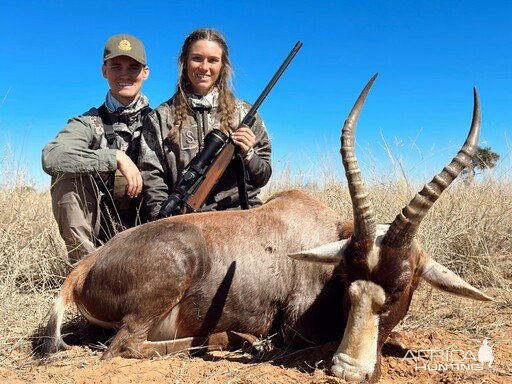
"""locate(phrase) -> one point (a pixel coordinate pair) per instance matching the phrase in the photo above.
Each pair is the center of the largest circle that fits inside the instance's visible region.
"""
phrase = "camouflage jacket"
(164, 154)
(81, 147)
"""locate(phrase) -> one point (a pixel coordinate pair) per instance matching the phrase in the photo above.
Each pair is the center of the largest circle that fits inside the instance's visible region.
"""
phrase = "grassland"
(469, 230)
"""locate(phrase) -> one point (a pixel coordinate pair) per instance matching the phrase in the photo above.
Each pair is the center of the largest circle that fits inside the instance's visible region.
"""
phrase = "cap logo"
(124, 45)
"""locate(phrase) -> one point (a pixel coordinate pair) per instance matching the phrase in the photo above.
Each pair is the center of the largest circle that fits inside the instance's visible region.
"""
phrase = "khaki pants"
(83, 216)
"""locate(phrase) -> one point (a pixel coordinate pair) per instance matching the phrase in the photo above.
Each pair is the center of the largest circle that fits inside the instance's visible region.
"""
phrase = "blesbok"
(215, 280)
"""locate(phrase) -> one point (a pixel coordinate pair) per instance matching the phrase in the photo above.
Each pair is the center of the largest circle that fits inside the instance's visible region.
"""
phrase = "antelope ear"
(330, 253)
(442, 278)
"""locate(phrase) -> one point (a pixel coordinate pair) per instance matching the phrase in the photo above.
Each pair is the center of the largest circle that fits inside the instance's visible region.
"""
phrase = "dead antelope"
(220, 278)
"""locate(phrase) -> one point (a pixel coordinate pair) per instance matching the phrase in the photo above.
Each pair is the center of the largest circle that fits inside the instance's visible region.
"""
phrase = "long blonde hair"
(226, 99)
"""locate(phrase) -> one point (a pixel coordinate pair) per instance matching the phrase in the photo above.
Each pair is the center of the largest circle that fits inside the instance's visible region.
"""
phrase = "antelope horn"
(364, 217)
(406, 224)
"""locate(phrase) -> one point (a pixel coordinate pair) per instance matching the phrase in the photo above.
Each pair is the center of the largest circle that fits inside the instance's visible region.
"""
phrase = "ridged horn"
(364, 217)
(406, 224)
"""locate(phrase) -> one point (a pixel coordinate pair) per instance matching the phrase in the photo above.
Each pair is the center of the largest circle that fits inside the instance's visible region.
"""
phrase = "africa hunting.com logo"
(452, 359)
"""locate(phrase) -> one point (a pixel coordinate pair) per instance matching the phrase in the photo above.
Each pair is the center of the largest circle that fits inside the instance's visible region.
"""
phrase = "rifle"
(205, 169)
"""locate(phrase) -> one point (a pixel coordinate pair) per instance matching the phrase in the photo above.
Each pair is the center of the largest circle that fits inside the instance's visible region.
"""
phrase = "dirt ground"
(457, 327)
(81, 365)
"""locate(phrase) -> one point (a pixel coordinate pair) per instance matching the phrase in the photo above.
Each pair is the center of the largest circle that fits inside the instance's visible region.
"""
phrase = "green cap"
(125, 45)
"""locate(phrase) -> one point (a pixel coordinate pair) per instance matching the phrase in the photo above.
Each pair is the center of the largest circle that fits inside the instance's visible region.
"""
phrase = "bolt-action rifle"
(204, 171)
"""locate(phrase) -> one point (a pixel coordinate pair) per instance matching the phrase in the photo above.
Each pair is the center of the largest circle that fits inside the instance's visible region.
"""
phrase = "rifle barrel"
(272, 82)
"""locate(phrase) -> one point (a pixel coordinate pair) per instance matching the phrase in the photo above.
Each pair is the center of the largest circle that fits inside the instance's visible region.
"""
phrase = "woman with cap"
(84, 156)
(174, 132)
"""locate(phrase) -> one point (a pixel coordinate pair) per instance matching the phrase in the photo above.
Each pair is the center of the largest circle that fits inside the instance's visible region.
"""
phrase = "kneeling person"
(97, 147)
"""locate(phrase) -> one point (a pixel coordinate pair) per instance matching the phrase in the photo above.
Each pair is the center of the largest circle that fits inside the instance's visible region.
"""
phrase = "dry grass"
(469, 230)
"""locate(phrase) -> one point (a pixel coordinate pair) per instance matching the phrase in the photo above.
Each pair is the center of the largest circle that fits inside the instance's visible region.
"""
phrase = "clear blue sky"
(429, 55)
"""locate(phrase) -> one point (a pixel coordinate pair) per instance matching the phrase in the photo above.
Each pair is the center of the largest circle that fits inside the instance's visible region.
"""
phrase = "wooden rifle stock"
(211, 177)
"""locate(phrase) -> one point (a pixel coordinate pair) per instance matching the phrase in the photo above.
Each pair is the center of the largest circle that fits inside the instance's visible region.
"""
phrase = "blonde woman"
(174, 132)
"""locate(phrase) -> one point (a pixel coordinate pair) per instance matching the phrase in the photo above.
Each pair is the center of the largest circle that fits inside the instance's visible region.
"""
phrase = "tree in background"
(485, 158)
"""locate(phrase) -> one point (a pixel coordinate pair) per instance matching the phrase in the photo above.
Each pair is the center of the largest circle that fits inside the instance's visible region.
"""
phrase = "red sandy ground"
(82, 365)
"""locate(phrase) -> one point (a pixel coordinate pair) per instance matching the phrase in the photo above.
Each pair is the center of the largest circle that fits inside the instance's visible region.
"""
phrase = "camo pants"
(84, 219)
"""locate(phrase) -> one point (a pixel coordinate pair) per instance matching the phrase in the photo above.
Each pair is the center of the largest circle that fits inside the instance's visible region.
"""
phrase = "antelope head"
(383, 264)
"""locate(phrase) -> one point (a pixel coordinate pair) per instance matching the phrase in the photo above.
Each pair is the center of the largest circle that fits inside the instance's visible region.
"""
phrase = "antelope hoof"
(261, 347)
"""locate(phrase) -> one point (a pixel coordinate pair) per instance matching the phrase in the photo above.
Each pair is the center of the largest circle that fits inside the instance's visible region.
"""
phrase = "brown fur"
(212, 264)
(230, 275)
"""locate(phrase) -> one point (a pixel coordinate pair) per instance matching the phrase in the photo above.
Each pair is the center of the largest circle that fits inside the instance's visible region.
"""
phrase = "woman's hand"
(131, 173)
(244, 138)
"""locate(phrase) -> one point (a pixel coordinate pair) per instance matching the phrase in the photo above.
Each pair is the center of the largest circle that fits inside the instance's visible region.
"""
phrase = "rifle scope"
(214, 141)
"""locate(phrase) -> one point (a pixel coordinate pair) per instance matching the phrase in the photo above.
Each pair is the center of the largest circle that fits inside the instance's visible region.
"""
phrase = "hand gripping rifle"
(204, 171)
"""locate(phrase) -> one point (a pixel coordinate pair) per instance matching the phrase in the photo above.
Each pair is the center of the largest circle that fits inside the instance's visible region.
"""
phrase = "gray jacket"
(164, 155)
(81, 147)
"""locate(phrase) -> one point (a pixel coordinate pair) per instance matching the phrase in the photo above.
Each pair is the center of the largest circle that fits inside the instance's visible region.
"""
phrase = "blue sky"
(429, 55)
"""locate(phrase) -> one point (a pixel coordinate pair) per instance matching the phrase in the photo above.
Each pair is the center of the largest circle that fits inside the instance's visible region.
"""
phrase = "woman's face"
(204, 64)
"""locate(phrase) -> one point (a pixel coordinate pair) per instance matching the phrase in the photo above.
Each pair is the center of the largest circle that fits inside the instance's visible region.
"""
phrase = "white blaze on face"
(356, 356)
(374, 255)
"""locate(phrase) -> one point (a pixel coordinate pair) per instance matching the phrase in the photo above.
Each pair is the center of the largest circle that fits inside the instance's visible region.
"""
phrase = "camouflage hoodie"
(81, 147)
(165, 151)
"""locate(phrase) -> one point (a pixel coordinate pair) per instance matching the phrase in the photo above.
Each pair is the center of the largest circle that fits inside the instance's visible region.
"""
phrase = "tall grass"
(31, 251)
(32, 256)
